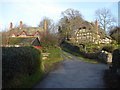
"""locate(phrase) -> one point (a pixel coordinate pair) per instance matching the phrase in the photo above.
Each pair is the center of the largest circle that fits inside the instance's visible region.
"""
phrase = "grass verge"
(53, 59)
(67, 55)
(32, 80)
(82, 57)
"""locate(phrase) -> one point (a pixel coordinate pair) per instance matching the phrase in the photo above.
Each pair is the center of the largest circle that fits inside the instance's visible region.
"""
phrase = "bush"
(19, 63)
(108, 48)
(50, 40)
(116, 58)
(70, 47)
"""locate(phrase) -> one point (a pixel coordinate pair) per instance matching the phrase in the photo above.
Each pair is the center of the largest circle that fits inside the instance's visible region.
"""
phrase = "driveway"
(74, 73)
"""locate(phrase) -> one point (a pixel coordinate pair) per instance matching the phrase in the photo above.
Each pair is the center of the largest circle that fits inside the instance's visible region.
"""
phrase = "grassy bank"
(53, 59)
(67, 55)
(82, 57)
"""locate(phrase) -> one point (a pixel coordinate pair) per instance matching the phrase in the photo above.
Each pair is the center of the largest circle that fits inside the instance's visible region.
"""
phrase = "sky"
(31, 12)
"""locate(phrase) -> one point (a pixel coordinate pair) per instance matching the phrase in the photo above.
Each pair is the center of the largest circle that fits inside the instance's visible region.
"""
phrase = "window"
(84, 27)
(23, 35)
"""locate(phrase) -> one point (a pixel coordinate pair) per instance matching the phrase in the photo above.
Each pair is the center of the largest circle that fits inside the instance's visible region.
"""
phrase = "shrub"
(19, 63)
(116, 58)
(108, 48)
(70, 47)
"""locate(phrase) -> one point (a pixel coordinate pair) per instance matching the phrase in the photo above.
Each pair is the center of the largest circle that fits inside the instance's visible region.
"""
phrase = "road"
(75, 73)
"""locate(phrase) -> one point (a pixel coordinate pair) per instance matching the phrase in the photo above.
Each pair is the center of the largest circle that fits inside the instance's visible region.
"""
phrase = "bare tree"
(5, 38)
(115, 34)
(51, 27)
(69, 22)
(23, 25)
(105, 18)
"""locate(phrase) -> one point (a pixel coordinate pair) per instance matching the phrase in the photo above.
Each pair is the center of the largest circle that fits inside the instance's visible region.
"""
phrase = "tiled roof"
(21, 40)
(28, 30)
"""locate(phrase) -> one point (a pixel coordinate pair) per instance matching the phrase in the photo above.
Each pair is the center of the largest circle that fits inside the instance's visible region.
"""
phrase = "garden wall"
(105, 56)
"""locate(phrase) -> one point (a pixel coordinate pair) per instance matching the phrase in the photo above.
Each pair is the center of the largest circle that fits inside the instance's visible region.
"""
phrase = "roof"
(91, 27)
(28, 30)
(86, 24)
(21, 40)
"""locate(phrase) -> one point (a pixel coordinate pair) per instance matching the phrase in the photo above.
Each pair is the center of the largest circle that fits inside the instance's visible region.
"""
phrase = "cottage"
(22, 35)
(91, 33)
(22, 31)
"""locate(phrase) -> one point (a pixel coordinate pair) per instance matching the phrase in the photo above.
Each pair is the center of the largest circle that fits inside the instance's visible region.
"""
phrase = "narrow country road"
(74, 73)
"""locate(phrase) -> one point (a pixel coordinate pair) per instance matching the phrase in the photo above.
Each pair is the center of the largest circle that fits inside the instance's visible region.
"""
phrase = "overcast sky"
(32, 11)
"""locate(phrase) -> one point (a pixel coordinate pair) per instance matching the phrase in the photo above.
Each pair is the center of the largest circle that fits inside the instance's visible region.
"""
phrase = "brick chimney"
(45, 27)
(11, 25)
(20, 24)
(96, 25)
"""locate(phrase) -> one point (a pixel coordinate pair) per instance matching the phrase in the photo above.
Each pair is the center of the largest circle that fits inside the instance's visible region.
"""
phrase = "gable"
(23, 34)
(36, 42)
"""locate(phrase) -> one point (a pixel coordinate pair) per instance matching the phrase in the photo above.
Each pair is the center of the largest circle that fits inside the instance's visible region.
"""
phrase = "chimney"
(96, 28)
(20, 24)
(45, 27)
(96, 25)
(11, 25)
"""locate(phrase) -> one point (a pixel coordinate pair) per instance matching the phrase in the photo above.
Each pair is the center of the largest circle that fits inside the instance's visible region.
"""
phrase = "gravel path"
(74, 73)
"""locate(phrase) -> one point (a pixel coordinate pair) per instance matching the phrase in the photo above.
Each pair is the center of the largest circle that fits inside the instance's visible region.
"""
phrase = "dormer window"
(84, 27)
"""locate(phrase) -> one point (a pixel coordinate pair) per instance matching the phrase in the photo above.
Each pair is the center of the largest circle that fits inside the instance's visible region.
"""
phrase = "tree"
(23, 25)
(51, 39)
(105, 19)
(115, 34)
(70, 21)
(50, 24)
(5, 38)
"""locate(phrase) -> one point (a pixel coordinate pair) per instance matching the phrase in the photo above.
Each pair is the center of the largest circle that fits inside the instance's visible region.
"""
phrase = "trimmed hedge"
(19, 63)
(70, 47)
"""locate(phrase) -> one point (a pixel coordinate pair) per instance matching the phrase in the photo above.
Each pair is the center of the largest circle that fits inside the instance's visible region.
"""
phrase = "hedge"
(19, 63)
(116, 58)
(70, 47)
